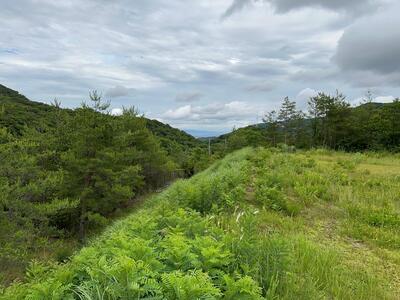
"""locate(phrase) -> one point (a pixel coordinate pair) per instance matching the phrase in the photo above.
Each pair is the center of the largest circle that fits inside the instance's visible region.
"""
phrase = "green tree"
(329, 115)
(271, 127)
(290, 120)
(285, 117)
(389, 125)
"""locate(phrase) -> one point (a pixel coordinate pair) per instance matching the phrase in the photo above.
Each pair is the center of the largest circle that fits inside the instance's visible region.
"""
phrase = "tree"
(87, 162)
(329, 115)
(369, 97)
(272, 127)
(289, 119)
(301, 130)
(110, 159)
(390, 125)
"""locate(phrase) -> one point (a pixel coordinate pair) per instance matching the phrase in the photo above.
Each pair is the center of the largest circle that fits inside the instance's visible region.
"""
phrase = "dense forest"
(64, 173)
(330, 122)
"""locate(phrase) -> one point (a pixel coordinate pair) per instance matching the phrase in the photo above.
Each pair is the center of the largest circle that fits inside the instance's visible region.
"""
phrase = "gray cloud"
(371, 44)
(350, 6)
(119, 91)
(236, 5)
(370, 79)
(368, 53)
(265, 86)
(188, 97)
(283, 6)
(64, 49)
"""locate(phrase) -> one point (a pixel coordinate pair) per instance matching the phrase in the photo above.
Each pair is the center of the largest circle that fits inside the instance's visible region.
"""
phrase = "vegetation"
(18, 112)
(261, 223)
(330, 122)
(65, 173)
(257, 224)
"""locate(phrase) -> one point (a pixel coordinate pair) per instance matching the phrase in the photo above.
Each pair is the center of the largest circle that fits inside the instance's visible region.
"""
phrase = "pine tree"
(286, 117)
(330, 115)
(272, 127)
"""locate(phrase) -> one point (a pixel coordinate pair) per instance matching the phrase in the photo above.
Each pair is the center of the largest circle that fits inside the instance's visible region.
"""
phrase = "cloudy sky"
(201, 65)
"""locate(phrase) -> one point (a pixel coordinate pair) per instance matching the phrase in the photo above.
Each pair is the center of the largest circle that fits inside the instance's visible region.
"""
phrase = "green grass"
(257, 224)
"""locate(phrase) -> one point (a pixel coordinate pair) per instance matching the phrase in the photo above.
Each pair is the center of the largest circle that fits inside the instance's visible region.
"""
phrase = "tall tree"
(390, 125)
(329, 116)
(86, 162)
(272, 127)
(287, 119)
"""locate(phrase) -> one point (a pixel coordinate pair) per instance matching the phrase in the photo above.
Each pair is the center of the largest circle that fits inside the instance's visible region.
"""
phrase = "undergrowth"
(259, 224)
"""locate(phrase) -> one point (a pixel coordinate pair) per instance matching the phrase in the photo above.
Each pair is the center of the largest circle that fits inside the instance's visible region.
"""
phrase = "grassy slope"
(309, 225)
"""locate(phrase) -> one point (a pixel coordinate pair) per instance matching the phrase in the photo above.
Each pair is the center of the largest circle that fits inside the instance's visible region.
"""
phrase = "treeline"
(65, 174)
(330, 121)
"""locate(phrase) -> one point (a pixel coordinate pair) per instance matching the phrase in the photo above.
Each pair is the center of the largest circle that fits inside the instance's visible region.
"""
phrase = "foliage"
(281, 223)
(64, 173)
(330, 122)
(202, 239)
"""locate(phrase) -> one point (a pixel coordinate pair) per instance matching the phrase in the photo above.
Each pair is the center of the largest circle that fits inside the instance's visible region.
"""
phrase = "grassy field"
(257, 224)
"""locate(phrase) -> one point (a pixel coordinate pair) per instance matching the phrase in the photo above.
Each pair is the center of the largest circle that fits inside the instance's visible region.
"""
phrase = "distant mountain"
(204, 134)
(19, 112)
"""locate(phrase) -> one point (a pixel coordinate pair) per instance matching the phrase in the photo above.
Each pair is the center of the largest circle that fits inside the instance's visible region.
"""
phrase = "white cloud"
(378, 99)
(182, 112)
(117, 111)
(384, 99)
(214, 115)
(214, 111)
(303, 96)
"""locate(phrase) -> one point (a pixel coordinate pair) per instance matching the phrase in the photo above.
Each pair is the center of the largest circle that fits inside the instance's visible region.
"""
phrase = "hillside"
(331, 122)
(257, 224)
(21, 112)
(166, 131)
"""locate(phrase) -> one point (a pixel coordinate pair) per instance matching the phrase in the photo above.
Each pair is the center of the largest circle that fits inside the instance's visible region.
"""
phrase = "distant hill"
(260, 127)
(19, 112)
(166, 131)
(204, 134)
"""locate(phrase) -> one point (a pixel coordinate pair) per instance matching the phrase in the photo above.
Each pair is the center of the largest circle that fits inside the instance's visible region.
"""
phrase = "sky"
(204, 66)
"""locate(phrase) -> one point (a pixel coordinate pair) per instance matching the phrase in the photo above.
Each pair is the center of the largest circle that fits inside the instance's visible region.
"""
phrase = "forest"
(303, 206)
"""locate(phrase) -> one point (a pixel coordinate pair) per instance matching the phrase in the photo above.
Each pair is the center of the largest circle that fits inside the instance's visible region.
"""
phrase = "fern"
(194, 285)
